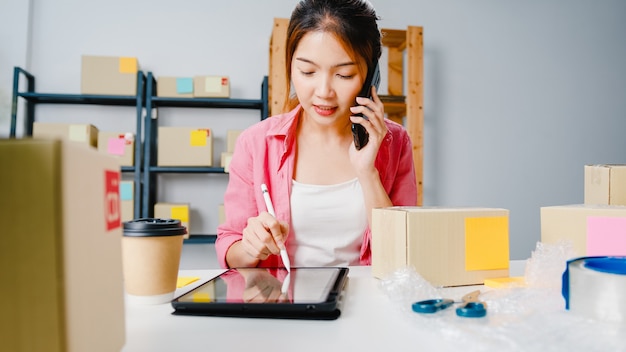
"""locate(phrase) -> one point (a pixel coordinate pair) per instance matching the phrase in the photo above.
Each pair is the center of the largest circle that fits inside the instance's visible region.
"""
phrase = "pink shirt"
(266, 153)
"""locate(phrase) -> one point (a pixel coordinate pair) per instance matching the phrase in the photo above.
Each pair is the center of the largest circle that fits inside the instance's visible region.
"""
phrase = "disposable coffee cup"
(151, 250)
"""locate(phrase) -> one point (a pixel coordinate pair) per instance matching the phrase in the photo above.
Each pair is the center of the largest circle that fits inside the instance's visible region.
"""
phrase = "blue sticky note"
(184, 85)
(126, 191)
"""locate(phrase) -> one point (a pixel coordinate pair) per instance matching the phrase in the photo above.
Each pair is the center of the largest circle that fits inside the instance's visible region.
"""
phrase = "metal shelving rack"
(150, 169)
(32, 98)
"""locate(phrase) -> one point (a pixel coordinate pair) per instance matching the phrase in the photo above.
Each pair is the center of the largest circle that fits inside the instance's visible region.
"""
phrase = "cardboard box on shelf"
(447, 246)
(175, 87)
(62, 252)
(178, 211)
(231, 139)
(82, 133)
(225, 161)
(221, 214)
(109, 75)
(127, 198)
(605, 184)
(211, 87)
(592, 229)
(185, 146)
(119, 145)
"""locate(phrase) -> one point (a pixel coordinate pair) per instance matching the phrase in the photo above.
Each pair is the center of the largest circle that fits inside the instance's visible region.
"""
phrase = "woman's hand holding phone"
(374, 123)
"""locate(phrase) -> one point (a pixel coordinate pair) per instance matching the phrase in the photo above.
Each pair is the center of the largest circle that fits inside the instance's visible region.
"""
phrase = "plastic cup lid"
(147, 227)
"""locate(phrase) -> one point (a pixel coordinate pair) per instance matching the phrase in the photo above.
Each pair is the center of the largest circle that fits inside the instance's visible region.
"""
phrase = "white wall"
(14, 39)
(519, 95)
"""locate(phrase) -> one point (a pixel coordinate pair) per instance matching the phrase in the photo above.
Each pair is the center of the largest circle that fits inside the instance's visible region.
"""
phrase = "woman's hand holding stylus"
(263, 236)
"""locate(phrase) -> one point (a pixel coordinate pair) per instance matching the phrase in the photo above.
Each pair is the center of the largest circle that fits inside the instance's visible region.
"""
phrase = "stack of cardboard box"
(597, 227)
(120, 146)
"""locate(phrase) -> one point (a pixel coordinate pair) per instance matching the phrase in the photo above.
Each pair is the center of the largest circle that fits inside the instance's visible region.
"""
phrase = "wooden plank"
(398, 118)
(277, 85)
(393, 108)
(394, 38)
(415, 96)
(396, 66)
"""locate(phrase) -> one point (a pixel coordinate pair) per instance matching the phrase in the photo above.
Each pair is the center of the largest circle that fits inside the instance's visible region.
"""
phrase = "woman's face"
(326, 79)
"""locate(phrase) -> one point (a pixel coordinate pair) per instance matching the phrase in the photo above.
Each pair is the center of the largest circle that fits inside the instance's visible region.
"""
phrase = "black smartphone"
(358, 131)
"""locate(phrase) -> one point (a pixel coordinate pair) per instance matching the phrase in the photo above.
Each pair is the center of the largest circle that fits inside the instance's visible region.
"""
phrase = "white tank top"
(328, 223)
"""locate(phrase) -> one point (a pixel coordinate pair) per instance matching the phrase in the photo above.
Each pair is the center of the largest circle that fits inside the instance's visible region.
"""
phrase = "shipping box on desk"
(109, 75)
(447, 246)
(184, 146)
(593, 230)
(605, 184)
(60, 249)
(82, 133)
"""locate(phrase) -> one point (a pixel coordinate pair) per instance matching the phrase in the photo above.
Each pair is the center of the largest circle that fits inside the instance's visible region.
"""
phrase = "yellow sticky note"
(213, 84)
(186, 280)
(180, 212)
(487, 243)
(201, 297)
(198, 138)
(78, 133)
(128, 65)
(502, 282)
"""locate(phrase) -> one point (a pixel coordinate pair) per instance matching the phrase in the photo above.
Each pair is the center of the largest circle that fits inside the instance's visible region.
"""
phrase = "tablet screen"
(264, 285)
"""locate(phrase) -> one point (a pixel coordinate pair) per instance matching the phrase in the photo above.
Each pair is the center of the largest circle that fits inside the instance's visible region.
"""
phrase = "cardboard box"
(231, 139)
(447, 246)
(61, 249)
(109, 75)
(221, 214)
(211, 87)
(593, 230)
(127, 198)
(82, 133)
(175, 87)
(185, 146)
(605, 184)
(119, 145)
(179, 211)
(225, 161)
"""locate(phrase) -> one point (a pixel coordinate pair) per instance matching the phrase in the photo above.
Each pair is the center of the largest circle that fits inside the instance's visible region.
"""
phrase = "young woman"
(323, 189)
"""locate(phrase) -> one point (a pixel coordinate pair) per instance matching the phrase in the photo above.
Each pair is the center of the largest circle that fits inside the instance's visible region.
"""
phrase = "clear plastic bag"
(530, 318)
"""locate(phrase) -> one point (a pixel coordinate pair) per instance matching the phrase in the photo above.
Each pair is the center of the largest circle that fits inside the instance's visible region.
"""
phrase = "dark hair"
(353, 22)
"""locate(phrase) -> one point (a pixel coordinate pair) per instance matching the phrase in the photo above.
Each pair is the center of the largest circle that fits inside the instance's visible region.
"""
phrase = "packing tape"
(595, 287)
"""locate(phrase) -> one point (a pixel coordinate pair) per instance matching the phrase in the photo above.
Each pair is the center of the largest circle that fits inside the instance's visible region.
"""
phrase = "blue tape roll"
(610, 265)
(596, 287)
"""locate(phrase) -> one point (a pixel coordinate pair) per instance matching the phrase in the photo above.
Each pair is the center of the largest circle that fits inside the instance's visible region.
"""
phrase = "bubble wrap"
(530, 318)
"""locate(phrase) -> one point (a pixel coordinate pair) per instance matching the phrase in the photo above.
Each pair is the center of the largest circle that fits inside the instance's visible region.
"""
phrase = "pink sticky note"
(606, 236)
(116, 146)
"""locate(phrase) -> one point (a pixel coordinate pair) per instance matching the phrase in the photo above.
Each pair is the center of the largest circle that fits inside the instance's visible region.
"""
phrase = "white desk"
(370, 321)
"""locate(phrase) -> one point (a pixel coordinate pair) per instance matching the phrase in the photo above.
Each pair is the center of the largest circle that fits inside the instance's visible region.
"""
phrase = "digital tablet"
(303, 293)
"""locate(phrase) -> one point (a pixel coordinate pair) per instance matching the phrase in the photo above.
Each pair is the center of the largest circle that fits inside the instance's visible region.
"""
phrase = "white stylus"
(285, 287)
(270, 209)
